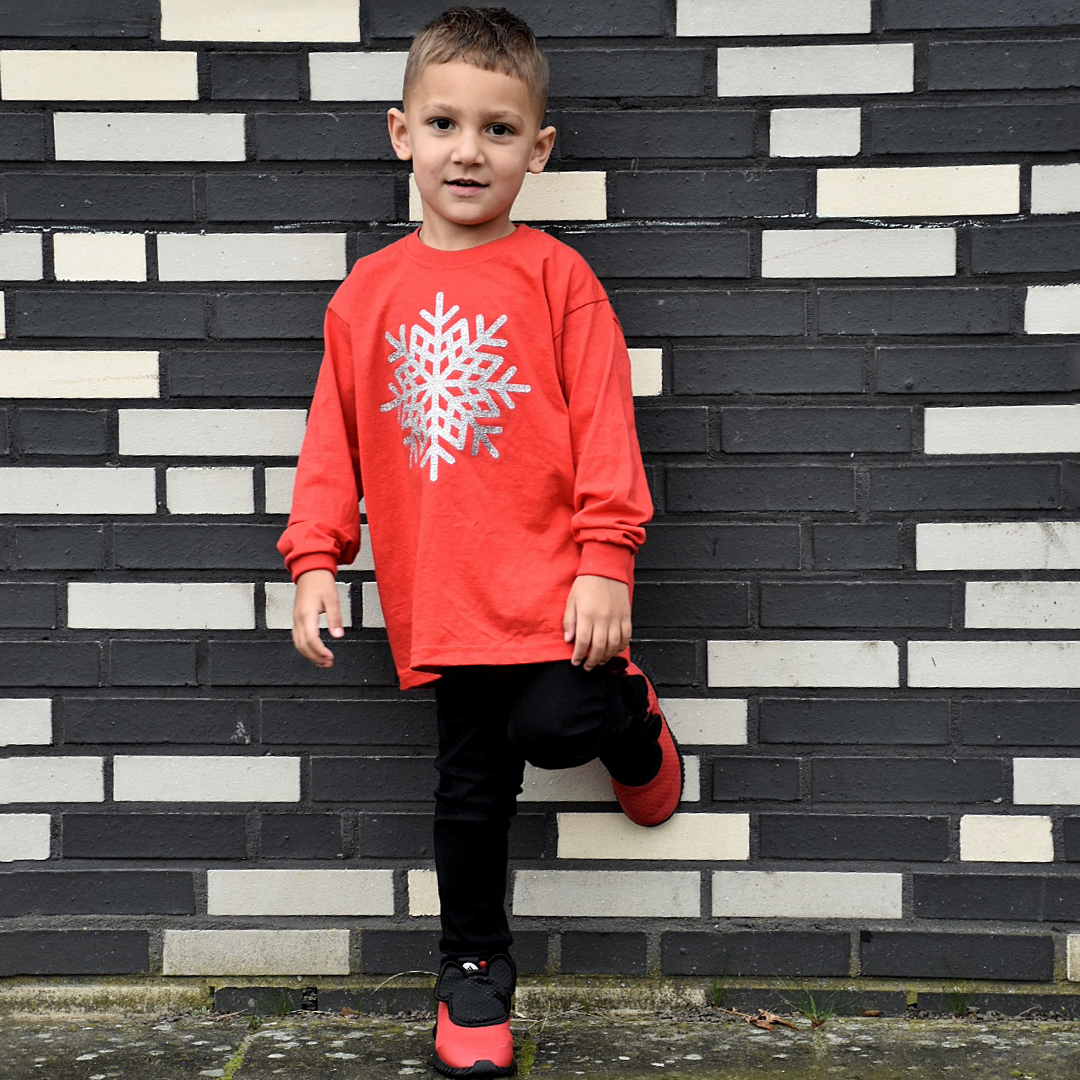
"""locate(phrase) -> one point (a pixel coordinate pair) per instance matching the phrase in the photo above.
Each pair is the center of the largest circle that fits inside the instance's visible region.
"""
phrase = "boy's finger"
(333, 615)
(569, 622)
(582, 642)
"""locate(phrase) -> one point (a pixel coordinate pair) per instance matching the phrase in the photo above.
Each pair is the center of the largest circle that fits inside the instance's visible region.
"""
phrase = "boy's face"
(471, 135)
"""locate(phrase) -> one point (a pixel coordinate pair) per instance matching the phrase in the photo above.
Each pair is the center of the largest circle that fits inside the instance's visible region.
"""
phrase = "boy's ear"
(399, 134)
(541, 151)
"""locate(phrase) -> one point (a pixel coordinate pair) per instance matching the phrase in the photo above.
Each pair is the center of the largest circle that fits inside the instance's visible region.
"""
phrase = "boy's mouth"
(467, 184)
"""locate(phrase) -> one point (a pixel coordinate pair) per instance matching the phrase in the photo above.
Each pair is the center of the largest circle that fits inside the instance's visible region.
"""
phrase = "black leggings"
(492, 720)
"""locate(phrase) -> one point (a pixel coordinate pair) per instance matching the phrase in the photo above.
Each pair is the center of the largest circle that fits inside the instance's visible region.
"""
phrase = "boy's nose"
(467, 148)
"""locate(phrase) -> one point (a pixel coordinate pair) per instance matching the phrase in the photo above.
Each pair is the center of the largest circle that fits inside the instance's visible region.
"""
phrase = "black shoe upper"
(476, 995)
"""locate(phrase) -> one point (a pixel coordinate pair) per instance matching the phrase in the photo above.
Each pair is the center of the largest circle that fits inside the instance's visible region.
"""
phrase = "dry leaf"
(346, 1011)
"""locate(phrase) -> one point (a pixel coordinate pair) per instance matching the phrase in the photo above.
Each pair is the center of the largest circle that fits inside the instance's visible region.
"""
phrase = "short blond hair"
(490, 38)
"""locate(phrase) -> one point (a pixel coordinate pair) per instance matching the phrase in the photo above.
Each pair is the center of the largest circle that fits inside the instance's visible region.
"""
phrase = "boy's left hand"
(597, 620)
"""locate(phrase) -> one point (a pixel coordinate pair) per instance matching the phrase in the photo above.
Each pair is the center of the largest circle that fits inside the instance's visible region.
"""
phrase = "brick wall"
(843, 237)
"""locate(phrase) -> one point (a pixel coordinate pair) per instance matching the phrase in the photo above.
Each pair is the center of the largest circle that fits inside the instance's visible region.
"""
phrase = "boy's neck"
(460, 238)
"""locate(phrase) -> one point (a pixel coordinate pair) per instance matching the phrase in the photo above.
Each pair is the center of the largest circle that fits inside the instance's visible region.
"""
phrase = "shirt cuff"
(318, 560)
(606, 560)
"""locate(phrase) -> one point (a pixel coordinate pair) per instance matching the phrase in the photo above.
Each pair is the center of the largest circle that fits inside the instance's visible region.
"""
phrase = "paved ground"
(318, 1046)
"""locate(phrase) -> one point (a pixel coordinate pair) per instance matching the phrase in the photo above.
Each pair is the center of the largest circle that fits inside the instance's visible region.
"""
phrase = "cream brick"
(1046, 781)
(210, 491)
(549, 196)
(423, 893)
(1052, 309)
(357, 76)
(251, 256)
(279, 605)
(998, 545)
(300, 892)
(25, 722)
(715, 837)
(805, 70)
(161, 605)
(737, 18)
(591, 783)
(647, 372)
(279, 485)
(364, 559)
(53, 373)
(1073, 970)
(994, 663)
(372, 612)
(98, 75)
(706, 721)
(113, 136)
(24, 837)
(1055, 189)
(99, 256)
(803, 663)
(154, 778)
(3, 319)
(1034, 605)
(260, 20)
(212, 432)
(848, 253)
(761, 894)
(996, 838)
(77, 491)
(797, 133)
(256, 952)
(52, 779)
(609, 894)
(1004, 429)
(20, 257)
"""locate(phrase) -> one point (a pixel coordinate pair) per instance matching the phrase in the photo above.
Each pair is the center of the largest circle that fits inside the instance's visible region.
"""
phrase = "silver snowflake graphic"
(445, 388)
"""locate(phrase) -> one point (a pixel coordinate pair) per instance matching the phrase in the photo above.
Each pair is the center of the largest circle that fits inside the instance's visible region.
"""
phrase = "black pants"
(492, 720)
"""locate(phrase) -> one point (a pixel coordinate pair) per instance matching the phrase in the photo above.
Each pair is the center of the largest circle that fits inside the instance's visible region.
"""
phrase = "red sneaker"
(654, 802)
(472, 1026)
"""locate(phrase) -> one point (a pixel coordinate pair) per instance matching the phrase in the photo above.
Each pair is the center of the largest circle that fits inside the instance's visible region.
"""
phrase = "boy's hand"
(597, 620)
(316, 592)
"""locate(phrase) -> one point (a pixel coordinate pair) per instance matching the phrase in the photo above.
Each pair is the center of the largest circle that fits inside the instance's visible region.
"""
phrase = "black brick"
(816, 430)
(655, 133)
(397, 722)
(59, 547)
(296, 197)
(389, 951)
(22, 137)
(154, 836)
(1020, 723)
(857, 547)
(914, 311)
(678, 430)
(338, 136)
(372, 779)
(755, 952)
(906, 780)
(883, 721)
(156, 720)
(896, 838)
(585, 953)
(616, 73)
(672, 663)
(254, 76)
(1071, 837)
(110, 314)
(720, 547)
(980, 369)
(918, 15)
(1005, 250)
(965, 487)
(277, 663)
(64, 431)
(1028, 897)
(260, 1000)
(27, 605)
(97, 892)
(161, 547)
(50, 663)
(74, 952)
(409, 836)
(957, 956)
(51, 197)
(1019, 1006)
(768, 371)
(739, 778)
(243, 374)
(754, 488)
(87, 18)
(655, 313)
(272, 315)
(974, 129)
(664, 253)
(855, 604)
(301, 836)
(716, 193)
(691, 603)
(152, 663)
(1004, 65)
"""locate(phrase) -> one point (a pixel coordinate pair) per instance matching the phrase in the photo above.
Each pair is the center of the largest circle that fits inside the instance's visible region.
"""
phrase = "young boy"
(476, 392)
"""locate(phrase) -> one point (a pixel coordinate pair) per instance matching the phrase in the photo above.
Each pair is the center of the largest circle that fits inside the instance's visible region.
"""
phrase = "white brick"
(920, 191)
(357, 76)
(372, 613)
(77, 491)
(24, 837)
(998, 545)
(161, 605)
(1046, 781)
(1004, 429)
(279, 484)
(25, 722)
(706, 721)
(1035, 605)
(812, 895)
(647, 372)
(99, 256)
(300, 892)
(20, 257)
(251, 257)
(804, 70)
(1073, 957)
(98, 75)
(48, 373)
(554, 196)
(804, 663)
(260, 20)
(847, 253)
(423, 893)
(1052, 309)
(737, 18)
(611, 894)
(210, 491)
(1055, 189)
(716, 837)
(591, 783)
(256, 952)
(153, 778)
(996, 838)
(52, 779)
(3, 320)
(994, 663)
(149, 136)
(364, 559)
(797, 133)
(279, 605)
(212, 432)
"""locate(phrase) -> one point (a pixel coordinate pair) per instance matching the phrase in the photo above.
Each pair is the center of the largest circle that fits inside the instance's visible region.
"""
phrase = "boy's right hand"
(316, 593)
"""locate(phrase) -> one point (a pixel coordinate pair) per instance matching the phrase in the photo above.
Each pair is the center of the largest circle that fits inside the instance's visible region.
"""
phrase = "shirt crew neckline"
(418, 251)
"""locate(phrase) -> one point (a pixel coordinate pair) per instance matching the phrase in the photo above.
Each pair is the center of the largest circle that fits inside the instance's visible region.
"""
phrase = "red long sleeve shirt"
(480, 402)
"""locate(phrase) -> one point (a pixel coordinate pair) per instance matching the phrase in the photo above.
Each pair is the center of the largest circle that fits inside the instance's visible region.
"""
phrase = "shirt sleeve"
(324, 525)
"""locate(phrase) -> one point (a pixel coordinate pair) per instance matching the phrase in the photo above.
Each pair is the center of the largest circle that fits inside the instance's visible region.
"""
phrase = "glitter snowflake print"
(447, 388)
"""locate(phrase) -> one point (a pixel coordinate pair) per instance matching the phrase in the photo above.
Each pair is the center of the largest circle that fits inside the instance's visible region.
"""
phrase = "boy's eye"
(501, 129)
(441, 124)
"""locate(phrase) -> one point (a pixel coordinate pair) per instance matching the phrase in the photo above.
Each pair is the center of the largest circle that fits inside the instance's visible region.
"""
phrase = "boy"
(476, 392)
